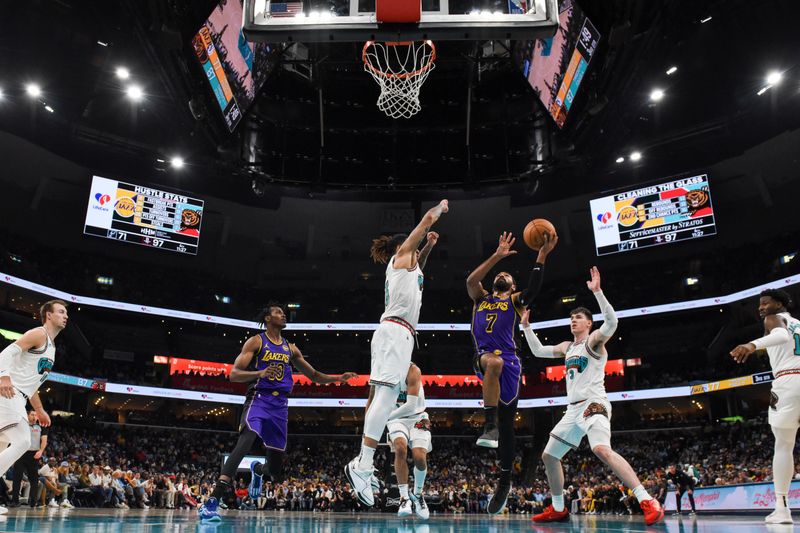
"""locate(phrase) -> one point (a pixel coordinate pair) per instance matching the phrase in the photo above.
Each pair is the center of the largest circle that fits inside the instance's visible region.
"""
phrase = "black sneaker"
(489, 438)
(497, 501)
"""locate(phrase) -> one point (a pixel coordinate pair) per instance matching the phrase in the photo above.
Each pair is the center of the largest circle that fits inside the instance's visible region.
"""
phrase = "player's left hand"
(742, 352)
(524, 318)
(344, 378)
(504, 244)
(433, 237)
(594, 283)
(44, 418)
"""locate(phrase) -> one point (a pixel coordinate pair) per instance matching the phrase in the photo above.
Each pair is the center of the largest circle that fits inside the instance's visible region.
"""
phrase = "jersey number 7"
(491, 318)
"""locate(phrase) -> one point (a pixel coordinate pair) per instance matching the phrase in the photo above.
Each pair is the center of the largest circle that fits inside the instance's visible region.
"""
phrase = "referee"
(683, 483)
(28, 463)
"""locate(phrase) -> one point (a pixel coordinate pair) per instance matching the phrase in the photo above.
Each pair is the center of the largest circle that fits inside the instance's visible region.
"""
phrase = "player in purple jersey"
(495, 317)
(266, 360)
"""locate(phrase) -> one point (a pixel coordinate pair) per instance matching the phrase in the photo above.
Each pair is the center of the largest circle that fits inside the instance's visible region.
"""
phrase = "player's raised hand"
(347, 376)
(433, 238)
(504, 245)
(742, 352)
(444, 205)
(594, 283)
(524, 318)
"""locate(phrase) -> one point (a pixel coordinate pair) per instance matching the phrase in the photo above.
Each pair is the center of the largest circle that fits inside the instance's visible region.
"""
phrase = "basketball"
(534, 232)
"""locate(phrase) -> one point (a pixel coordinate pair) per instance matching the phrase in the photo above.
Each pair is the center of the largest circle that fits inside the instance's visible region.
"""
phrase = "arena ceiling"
(710, 109)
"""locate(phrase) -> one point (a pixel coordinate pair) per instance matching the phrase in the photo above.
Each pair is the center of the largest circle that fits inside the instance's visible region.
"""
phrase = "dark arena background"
(171, 167)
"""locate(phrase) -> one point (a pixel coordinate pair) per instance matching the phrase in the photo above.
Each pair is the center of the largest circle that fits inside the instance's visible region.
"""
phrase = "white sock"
(419, 480)
(365, 459)
(558, 502)
(780, 501)
(403, 491)
(641, 494)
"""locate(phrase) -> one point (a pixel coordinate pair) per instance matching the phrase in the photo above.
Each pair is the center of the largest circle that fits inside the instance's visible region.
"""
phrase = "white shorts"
(784, 404)
(580, 420)
(392, 345)
(406, 429)
(12, 411)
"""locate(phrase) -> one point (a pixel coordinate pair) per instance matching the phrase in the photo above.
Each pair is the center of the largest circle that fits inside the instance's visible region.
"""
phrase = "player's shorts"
(12, 411)
(784, 403)
(591, 418)
(510, 377)
(392, 345)
(410, 429)
(267, 414)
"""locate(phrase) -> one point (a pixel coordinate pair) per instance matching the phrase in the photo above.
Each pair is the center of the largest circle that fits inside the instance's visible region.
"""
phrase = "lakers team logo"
(125, 207)
(627, 216)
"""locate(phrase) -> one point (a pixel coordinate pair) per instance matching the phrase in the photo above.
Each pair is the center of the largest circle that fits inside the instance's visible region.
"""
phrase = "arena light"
(222, 299)
(787, 258)
(49, 109)
(176, 162)
(122, 73)
(102, 43)
(763, 90)
(1, 93)
(106, 281)
(691, 281)
(703, 21)
(33, 90)
(293, 306)
(620, 159)
(134, 92)
(635, 156)
(672, 70)
(656, 95)
(774, 78)
(568, 299)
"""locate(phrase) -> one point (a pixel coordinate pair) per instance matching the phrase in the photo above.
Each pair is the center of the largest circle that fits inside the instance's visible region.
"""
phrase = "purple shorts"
(510, 377)
(267, 414)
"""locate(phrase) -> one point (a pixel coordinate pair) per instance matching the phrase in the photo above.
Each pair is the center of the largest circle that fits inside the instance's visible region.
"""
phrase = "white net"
(400, 69)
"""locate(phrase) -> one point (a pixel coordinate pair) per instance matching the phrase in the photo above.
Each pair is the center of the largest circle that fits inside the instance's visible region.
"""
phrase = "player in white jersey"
(782, 342)
(589, 411)
(393, 340)
(409, 424)
(24, 366)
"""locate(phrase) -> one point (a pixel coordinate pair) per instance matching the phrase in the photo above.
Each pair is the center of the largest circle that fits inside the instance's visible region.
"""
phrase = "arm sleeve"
(407, 409)
(776, 337)
(534, 284)
(539, 350)
(609, 316)
(9, 352)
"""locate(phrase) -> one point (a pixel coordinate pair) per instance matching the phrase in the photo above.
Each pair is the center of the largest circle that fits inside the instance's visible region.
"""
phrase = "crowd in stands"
(144, 467)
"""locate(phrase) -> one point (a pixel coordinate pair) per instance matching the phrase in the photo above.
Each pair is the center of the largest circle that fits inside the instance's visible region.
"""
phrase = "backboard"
(356, 20)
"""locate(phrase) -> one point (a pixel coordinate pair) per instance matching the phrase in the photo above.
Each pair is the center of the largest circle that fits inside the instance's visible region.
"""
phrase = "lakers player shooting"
(266, 361)
(393, 340)
(782, 343)
(24, 366)
(409, 426)
(589, 411)
(495, 317)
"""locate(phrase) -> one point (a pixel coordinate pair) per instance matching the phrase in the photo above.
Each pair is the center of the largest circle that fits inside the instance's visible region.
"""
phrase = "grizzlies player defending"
(266, 361)
(24, 366)
(589, 411)
(392, 342)
(494, 323)
(782, 342)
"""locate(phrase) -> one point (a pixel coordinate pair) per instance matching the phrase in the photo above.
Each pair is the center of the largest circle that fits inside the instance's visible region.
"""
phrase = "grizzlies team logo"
(44, 366)
(577, 363)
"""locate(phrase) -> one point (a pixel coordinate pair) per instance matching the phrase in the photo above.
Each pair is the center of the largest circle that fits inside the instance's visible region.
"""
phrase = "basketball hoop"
(400, 68)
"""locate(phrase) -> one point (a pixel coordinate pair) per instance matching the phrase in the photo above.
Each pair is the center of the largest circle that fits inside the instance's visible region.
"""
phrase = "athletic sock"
(780, 501)
(558, 502)
(641, 494)
(419, 480)
(221, 489)
(365, 459)
(403, 491)
(505, 476)
(490, 413)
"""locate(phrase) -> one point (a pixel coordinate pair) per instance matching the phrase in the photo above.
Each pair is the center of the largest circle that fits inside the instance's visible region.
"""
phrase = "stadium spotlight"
(134, 92)
(122, 73)
(33, 90)
(672, 70)
(635, 156)
(656, 95)
(774, 77)
(176, 162)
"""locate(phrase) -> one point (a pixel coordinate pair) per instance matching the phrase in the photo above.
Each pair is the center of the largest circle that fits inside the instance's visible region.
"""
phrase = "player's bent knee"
(401, 447)
(420, 458)
(602, 452)
(492, 365)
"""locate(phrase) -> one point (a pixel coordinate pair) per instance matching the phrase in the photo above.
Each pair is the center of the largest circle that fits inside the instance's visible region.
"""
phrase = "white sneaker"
(3, 511)
(53, 504)
(66, 504)
(420, 506)
(376, 485)
(118, 505)
(405, 508)
(124, 505)
(781, 515)
(360, 481)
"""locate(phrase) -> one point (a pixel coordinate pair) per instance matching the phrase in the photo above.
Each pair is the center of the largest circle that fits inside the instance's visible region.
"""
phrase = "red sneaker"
(551, 515)
(653, 512)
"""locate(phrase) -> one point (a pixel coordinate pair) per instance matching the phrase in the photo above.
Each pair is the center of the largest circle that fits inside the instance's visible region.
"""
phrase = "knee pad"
(557, 448)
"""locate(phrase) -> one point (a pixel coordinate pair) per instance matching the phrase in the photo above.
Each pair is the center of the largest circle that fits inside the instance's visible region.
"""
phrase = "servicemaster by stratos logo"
(125, 206)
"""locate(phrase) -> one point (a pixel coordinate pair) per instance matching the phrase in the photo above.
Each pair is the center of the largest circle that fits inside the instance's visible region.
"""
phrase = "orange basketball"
(534, 232)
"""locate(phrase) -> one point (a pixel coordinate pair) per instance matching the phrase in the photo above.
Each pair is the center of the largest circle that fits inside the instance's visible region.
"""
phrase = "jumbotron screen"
(669, 212)
(142, 215)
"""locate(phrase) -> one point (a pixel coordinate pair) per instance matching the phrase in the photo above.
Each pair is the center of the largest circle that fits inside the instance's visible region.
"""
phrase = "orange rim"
(405, 75)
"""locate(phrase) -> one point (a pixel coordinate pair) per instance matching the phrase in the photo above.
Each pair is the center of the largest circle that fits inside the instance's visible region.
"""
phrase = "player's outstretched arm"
(405, 257)
(474, 286)
(609, 325)
(777, 334)
(433, 238)
(315, 375)
(411, 405)
(239, 372)
(539, 349)
(526, 297)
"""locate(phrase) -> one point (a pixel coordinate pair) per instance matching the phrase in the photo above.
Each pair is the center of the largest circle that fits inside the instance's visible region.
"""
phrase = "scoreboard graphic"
(659, 214)
(144, 216)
